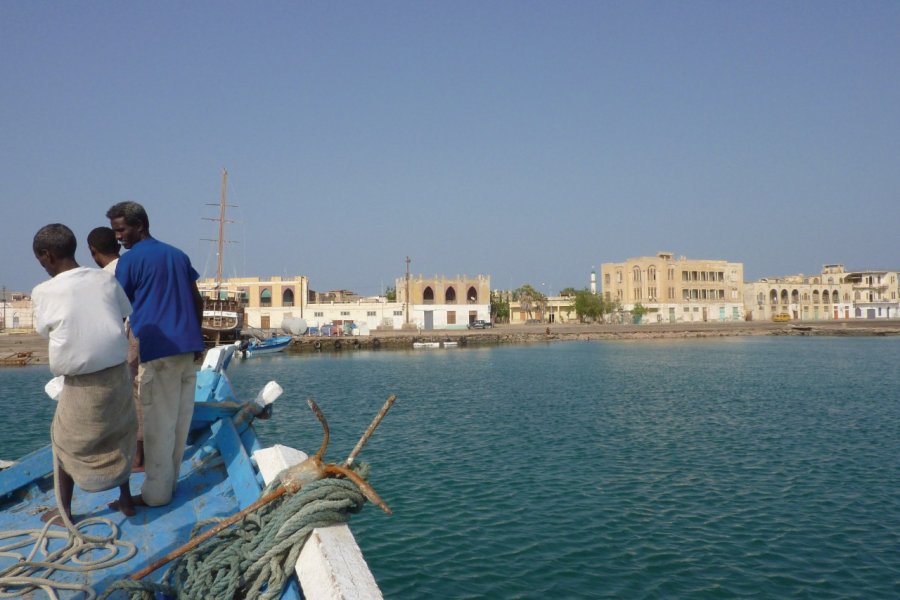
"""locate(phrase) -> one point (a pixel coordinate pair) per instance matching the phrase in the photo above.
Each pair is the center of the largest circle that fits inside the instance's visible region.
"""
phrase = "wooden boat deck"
(204, 491)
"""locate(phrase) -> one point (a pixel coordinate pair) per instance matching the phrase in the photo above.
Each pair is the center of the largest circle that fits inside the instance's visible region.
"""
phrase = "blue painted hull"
(269, 346)
(217, 479)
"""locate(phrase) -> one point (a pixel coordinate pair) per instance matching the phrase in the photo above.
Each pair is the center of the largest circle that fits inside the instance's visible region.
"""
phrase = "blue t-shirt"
(160, 281)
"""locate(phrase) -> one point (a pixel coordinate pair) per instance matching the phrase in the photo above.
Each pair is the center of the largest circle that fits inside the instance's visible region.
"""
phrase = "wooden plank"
(237, 462)
(331, 565)
(32, 467)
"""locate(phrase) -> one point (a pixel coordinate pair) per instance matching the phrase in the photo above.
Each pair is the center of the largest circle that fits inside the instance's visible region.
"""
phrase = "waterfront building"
(833, 294)
(16, 312)
(266, 301)
(361, 316)
(676, 290)
(553, 309)
(444, 302)
(435, 303)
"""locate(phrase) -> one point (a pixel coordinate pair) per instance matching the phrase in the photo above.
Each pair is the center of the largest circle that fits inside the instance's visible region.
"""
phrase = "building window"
(636, 274)
(371, 313)
(450, 296)
(428, 296)
(318, 314)
(287, 297)
(606, 279)
(265, 297)
(345, 313)
(472, 295)
(398, 313)
(451, 317)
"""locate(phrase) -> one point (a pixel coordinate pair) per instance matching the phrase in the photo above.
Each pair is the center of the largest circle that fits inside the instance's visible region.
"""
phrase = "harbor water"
(715, 468)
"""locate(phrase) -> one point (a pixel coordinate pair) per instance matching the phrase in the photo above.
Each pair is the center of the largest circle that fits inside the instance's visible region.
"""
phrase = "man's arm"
(198, 304)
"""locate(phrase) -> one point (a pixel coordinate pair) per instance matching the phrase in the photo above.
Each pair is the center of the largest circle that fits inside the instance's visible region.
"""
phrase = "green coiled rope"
(256, 556)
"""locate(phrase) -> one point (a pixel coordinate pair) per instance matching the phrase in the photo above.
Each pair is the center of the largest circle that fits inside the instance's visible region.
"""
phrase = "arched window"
(774, 296)
(636, 274)
(287, 297)
(784, 296)
(795, 296)
(472, 295)
(826, 297)
(245, 297)
(450, 295)
(265, 297)
(815, 296)
(835, 297)
(651, 273)
(428, 295)
(760, 298)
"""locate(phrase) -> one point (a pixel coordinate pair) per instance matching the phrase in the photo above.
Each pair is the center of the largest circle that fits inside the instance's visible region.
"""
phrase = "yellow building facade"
(676, 289)
(444, 302)
(266, 300)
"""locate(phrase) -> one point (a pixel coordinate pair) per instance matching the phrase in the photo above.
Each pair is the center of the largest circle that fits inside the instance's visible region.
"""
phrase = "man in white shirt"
(81, 311)
(104, 248)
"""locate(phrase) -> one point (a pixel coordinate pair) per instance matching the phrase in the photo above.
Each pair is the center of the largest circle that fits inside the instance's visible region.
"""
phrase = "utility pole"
(407, 291)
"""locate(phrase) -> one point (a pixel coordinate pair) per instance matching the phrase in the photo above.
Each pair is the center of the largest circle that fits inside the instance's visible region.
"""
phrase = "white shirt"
(111, 266)
(82, 310)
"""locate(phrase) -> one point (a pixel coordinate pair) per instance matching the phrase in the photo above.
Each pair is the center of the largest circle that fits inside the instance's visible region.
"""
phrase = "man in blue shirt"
(167, 311)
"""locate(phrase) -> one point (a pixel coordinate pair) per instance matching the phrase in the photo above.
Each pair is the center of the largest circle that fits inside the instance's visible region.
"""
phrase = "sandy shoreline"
(12, 344)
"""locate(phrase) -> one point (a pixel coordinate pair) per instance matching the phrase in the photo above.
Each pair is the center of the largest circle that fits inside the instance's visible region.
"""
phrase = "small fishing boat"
(270, 345)
(426, 345)
(225, 473)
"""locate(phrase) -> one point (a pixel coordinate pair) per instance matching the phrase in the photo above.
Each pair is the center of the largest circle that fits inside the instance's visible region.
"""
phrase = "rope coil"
(256, 557)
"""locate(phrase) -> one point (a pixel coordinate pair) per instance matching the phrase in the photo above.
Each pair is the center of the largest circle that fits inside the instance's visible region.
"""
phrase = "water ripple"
(757, 468)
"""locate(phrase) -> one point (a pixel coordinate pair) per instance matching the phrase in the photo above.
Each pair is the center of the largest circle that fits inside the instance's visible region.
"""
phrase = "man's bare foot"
(53, 514)
(126, 504)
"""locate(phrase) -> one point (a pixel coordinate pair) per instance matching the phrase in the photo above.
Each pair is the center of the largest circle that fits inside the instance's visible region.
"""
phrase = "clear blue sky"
(528, 141)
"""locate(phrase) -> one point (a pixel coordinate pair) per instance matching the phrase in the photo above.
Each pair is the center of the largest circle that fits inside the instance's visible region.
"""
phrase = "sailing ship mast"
(222, 316)
(221, 240)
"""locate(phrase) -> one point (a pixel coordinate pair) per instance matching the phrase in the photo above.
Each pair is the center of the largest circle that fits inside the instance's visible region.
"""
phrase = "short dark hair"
(104, 240)
(132, 212)
(57, 239)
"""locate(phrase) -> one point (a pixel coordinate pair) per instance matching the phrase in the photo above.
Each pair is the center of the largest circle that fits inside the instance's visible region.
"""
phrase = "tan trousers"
(166, 389)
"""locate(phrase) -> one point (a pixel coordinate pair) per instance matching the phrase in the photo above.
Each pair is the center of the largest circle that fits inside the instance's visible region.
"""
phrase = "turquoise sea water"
(735, 467)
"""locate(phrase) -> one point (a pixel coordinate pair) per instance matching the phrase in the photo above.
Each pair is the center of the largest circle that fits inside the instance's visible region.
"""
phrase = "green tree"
(569, 292)
(638, 311)
(588, 306)
(391, 294)
(530, 299)
(499, 308)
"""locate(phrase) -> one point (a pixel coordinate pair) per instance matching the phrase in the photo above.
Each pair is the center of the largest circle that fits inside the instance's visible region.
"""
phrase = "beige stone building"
(266, 301)
(676, 289)
(444, 302)
(832, 294)
(555, 309)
